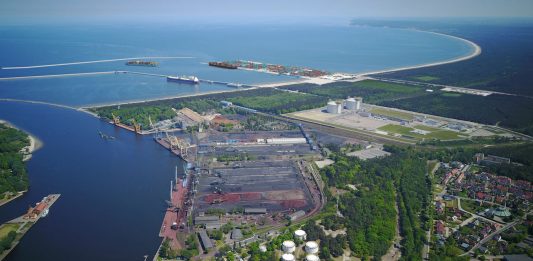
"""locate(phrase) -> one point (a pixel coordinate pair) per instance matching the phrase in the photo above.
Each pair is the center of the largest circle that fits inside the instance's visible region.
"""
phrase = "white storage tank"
(287, 257)
(300, 234)
(358, 103)
(311, 257)
(288, 246)
(311, 247)
(350, 104)
(334, 107)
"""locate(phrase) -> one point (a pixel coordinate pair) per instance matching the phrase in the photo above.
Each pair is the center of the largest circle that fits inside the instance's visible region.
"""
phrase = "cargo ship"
(183, 79)
(224, 65)
(142, 63)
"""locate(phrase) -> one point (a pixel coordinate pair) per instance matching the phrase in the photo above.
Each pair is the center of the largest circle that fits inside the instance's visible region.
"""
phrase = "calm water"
(331, 48)
(113, 192)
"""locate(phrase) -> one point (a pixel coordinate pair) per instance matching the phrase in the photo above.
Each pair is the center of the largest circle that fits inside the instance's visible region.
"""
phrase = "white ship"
(183, 79)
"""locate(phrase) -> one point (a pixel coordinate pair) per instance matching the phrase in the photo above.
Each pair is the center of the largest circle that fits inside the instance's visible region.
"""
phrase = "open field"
(6, 228)
(433, 132)
(393, 114)
(426, 78)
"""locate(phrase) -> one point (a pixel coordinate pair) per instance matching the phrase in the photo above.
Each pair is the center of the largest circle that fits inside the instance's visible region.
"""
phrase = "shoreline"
(477, 51)
(35, 143)
(358, 76)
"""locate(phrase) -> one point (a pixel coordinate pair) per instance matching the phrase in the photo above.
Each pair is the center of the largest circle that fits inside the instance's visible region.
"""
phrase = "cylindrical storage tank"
(300, 234)
(311, 257)
(350, 104)
(288, 246)
(358, 103)
(262, 248)
(287, 257)
(311, 247)
(331, 107)
(339, 108)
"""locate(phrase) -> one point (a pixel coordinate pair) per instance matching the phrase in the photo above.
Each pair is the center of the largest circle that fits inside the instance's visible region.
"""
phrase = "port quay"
(26, 221)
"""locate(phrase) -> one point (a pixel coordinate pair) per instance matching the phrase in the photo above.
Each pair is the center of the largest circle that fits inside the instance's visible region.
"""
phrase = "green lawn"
(434, 133)
(426, 78)
(393, 113)
(6, 228)
(451, 94)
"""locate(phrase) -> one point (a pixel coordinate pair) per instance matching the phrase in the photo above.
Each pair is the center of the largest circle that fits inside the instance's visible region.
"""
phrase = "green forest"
(372, 91)
(13, 176)
(267, 100)
(369, 211)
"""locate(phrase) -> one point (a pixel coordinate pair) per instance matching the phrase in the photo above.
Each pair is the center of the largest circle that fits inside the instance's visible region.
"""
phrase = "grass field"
(393, 113)
(434, 133)
(6, 228)
(426, 78)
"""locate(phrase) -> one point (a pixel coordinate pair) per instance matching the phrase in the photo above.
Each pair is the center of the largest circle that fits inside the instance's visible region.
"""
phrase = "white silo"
(288, 246)
(287, 257)
(350, 104)
(311, 257)
(358, 103)
(311, 247)
(300, 234)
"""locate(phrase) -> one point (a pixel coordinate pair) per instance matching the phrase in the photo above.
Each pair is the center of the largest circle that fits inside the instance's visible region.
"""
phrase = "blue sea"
(331, 48)
(113, 192)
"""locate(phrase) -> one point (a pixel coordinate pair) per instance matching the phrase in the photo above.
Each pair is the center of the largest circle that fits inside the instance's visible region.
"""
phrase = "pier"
(22, 224)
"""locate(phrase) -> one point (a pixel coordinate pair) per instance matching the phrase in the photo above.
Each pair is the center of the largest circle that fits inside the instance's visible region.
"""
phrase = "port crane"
(178, 144)
(157, 134)
(136, 126)
(116, 120)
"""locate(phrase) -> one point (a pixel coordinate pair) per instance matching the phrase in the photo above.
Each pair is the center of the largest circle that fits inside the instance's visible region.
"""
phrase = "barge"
(142, 63)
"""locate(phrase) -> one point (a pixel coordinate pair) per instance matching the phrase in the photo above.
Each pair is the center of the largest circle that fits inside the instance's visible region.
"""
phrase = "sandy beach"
(476, 52)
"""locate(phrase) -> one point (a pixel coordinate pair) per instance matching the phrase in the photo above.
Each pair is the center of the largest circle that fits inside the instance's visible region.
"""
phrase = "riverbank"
(26, 152)
(35, 143)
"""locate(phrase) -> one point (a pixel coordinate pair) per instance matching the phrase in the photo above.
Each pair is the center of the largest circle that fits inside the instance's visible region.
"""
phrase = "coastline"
(27, 153)
(357, 76)
(35, 143)
(477, 51)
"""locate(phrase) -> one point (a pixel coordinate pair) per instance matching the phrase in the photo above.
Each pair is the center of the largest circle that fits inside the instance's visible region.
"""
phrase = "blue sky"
(259, 10)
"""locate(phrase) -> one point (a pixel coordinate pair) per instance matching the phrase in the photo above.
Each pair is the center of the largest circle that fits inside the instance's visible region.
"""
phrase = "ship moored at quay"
(142, 63)
(224, 65)
(184, 79)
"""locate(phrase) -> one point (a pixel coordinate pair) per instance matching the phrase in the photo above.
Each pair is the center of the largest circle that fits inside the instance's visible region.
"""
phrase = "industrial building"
(187, 117)
(205, 240)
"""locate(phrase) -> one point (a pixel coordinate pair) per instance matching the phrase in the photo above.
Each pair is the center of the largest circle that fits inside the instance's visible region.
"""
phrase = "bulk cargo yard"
(264, 178)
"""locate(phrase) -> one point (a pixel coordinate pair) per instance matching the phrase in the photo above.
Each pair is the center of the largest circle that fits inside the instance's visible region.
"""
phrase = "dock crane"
(152, 126)
(136, 126)
(178, 144)
(116, 120)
